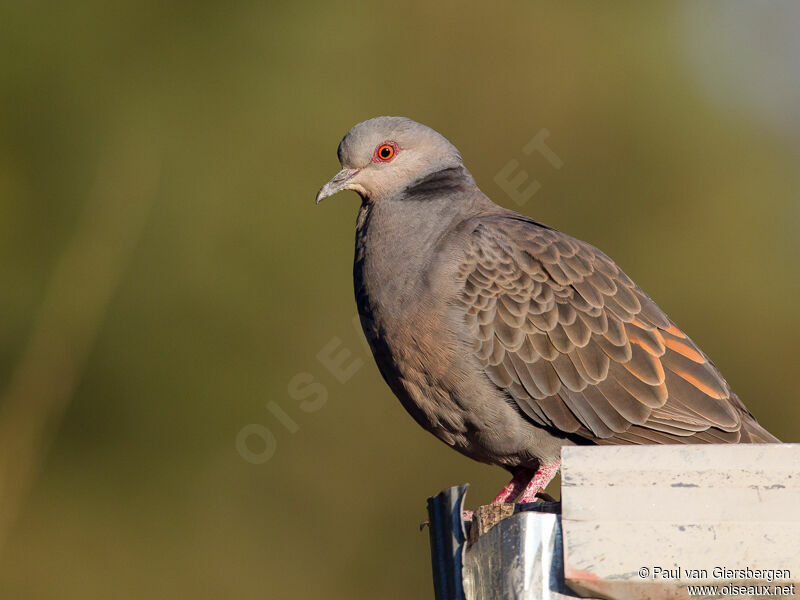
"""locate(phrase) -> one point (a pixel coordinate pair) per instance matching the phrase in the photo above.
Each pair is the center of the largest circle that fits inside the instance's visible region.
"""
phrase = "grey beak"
(337, 184)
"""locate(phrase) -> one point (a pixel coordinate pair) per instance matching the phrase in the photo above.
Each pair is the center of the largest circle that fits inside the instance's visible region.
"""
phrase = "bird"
(504, 337)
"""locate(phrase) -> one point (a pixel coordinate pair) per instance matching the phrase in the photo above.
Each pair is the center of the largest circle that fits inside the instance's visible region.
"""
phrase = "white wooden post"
(656, 522)
(651, 521)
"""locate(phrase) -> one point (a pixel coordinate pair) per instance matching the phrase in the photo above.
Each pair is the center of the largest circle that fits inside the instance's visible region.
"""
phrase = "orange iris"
(385, 152)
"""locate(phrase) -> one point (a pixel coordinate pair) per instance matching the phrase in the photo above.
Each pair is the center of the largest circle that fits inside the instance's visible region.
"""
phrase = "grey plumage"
(502, 336)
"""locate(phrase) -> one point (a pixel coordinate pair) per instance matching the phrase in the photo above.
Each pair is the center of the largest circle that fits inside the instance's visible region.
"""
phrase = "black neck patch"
(445, 180)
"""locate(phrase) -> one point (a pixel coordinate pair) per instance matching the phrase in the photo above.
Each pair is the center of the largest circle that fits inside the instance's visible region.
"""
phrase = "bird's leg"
(514, 487)
(539, 481)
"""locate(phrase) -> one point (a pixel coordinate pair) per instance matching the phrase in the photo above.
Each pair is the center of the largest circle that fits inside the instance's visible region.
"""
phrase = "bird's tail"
(753, 433)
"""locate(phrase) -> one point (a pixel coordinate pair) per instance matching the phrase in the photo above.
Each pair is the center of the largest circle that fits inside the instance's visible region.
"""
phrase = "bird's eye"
(384, 152)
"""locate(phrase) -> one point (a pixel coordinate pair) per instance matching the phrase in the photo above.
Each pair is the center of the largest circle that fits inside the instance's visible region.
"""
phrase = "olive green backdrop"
(168, 285)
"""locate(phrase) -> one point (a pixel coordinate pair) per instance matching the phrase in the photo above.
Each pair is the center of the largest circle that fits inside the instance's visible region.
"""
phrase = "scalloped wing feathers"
(580, 348)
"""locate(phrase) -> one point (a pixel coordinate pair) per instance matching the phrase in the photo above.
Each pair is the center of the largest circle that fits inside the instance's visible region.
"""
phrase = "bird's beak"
(337, 184)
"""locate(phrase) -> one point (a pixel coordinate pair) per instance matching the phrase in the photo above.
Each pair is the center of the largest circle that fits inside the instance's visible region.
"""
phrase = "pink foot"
(514, 487)
(539, 481)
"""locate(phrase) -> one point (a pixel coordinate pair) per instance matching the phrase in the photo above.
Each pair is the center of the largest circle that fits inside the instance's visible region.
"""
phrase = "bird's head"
(384, 155)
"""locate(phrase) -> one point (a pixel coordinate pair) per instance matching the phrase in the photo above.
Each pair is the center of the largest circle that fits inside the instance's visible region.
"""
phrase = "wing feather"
(580, 348)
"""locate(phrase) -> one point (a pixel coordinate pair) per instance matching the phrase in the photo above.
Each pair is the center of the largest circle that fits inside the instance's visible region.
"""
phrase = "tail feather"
(753, 433)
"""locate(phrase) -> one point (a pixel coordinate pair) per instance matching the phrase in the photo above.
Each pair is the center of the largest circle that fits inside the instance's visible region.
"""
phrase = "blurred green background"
(168, 281)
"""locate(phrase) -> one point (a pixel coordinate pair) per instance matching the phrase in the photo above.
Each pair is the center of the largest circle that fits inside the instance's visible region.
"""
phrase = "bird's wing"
(580, 348)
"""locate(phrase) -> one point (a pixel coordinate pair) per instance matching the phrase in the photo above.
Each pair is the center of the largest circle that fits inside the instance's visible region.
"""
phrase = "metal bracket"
(520, 557)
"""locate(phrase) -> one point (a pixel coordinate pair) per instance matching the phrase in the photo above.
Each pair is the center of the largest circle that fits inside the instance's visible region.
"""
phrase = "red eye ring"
(385, 152)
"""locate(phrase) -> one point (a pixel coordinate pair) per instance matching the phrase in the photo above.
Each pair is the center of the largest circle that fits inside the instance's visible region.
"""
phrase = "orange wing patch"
(684, 349)
(703, 387)
(675, 331)
(647, 336)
